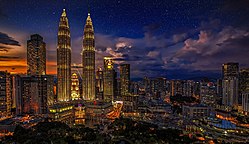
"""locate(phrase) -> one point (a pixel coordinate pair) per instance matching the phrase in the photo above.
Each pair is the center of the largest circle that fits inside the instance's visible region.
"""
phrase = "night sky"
(177, 39)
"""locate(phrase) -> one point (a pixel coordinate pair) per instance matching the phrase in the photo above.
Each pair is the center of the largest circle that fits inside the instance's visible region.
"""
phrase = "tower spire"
(88, 7)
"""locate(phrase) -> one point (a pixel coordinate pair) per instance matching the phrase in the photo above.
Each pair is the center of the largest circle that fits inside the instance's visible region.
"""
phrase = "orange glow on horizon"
(20, 66)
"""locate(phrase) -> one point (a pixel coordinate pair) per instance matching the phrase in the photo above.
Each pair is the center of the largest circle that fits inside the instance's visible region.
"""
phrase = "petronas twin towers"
(64, 60)
(88, 61)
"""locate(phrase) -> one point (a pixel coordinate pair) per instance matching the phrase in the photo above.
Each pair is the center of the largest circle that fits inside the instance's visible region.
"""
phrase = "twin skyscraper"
(64, 60)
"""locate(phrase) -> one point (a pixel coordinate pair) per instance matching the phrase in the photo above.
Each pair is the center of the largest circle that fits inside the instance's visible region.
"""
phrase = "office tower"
(244, 81)
(46, 94)
(244, 89)
(230, 73)
(36, 55)
(196, 89)
(5, 94)
(207, 93)
(99, 84)
(230, 91)
(176, 87)
(245, 103)
(109, 74)
(160, 84)
(64, 60)
(125, 78)
(16, 92)
(230, 70)
(146, 83)
(88, 61)
(115, 86)
(75, 94)
(219, 88)
(34, 94)
(188, 86)
(134, 88)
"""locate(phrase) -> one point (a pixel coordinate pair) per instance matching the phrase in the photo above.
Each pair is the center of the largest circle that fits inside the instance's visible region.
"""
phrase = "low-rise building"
(96, 112)
(63, 112)
(196, 111)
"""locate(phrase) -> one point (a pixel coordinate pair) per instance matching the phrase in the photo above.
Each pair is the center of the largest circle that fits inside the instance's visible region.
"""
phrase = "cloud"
(153, 54)
(7, 40)
(4, 48)
(8, 58)
(211, 49)
(146, 55)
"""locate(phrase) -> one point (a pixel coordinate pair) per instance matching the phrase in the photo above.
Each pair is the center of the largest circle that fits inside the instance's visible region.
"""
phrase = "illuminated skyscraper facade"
(99, 84)
(207, 93)
(230, 82)
(230, 70)
(244, 89)
(36, 55)
(64, 60)
(34, 94)
(125, 78)
(5, 93)
(109, 76)
(88, 61)
(244, 81)
(75, 94)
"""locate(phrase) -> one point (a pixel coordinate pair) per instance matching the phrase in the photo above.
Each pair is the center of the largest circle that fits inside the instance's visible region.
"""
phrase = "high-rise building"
(245, 103)
(115, 85)
(109, 76)
(17, 93)
(64, 60)
(5, 94)
(188, 86)
(219, 89)
(207, 93)
(196, 89)
(146, 83)
(160, 84)
(34, 94)
(125, 78)
(244, 81)
(230, 82)
(134, 88)
(176, 87)
(244, 89)
(117, 88)
(75, 94)
(99, 84)
(14, 88)
(46, 93)
(88, 61)
(230, 70)
(36, 55)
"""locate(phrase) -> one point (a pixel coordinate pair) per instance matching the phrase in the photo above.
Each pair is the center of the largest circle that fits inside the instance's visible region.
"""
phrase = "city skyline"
(173, 40)
(118, 71)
